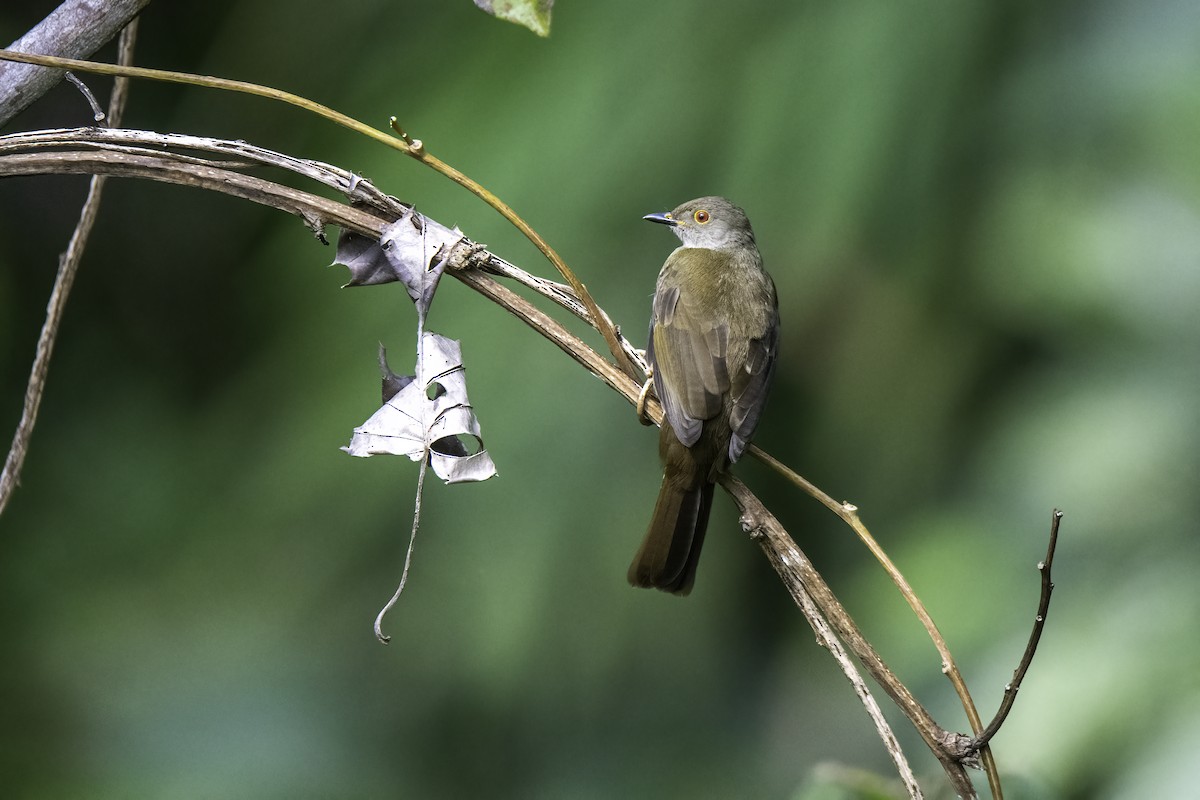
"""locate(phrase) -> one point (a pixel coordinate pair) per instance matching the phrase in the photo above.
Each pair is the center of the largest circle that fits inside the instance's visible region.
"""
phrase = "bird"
(711, 350)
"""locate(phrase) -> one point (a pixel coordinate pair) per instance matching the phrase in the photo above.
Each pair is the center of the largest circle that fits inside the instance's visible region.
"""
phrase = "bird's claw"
(643, 398)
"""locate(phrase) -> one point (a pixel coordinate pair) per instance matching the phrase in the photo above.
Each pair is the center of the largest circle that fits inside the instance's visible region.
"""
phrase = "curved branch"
(359, 191)
(14, 461)
(760, 524)
(1039, 622)
(799, 575)
(848, 513)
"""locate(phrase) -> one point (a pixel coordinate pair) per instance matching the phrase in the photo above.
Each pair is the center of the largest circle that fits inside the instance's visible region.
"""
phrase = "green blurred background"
(984, 222)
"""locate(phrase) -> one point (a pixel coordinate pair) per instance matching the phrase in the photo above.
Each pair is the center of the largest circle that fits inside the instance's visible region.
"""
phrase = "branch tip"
(1039, 622)
(415, 146)
(97, 113)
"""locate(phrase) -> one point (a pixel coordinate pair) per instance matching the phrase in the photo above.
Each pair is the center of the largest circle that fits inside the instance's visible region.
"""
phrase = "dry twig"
(1039, 622)
(68, 266)
(75, 28)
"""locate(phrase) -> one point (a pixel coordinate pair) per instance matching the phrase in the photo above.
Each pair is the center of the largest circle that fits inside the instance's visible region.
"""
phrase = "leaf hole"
(434, 390)
(460, 445)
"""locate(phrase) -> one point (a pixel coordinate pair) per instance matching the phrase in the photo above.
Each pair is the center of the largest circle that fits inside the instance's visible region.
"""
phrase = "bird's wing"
(689, 353)
(750, 387)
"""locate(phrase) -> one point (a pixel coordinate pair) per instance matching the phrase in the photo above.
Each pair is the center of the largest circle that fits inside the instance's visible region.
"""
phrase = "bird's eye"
(701, 216)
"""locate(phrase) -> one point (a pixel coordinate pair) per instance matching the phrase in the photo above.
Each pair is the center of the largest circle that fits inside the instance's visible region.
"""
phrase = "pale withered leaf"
(364, 258)
(392, 383)
(431, 415)
(413, 249)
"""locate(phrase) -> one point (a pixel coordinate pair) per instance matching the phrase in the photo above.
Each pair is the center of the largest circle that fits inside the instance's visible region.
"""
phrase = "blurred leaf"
(839, 782)
(533, 14)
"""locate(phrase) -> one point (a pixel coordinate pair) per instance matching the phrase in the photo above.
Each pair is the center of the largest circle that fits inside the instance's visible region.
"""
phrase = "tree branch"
(800, 577)
(68, 266)
(1039, 622)
(848, 513)
(760, 524)
(75, 29)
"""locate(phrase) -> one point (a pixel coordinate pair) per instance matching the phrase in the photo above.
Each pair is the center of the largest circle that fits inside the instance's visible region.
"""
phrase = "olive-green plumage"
(714, 332)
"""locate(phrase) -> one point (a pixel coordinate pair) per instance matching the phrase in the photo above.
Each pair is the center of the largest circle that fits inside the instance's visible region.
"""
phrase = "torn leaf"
(429, 415)
(364, 257)
(413, 250)
(392, 383)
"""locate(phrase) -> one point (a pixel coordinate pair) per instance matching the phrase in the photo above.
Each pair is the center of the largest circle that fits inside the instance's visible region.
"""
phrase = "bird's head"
(708, 222)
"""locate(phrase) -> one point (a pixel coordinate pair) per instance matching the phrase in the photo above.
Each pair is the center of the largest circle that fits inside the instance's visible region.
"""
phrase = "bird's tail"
(670, 552)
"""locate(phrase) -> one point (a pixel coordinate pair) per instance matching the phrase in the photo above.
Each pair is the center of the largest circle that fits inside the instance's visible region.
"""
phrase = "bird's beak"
(664, 219)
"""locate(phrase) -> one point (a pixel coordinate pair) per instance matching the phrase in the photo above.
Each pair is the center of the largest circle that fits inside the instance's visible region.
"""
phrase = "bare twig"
(68, 266)
(412, 541)
(1039, 622)
(97, 112)
(753, 524)
(76, 29)
(848, 513)
(798, 574)
(121, 84)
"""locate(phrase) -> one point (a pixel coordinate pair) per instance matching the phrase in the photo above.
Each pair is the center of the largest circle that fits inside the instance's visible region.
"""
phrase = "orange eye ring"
(701, 217)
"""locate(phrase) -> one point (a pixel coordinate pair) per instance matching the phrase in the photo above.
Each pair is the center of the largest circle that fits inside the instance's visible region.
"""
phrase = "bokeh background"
(984, 222)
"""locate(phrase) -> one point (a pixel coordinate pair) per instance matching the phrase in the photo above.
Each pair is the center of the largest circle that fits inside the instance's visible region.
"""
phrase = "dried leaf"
(429, 417)
(413, 250)
(533, 14)
(364, 257)
(392, 383)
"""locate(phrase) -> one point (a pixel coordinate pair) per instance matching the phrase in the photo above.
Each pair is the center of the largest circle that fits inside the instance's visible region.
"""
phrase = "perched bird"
(714, 333)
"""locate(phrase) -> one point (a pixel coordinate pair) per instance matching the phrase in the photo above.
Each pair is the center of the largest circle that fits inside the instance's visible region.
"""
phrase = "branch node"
(467, 255)
(415, 146)
(315, 224)
(751, 525)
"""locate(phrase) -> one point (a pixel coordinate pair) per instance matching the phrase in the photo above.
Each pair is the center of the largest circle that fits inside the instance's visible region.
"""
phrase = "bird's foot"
(643, 397)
